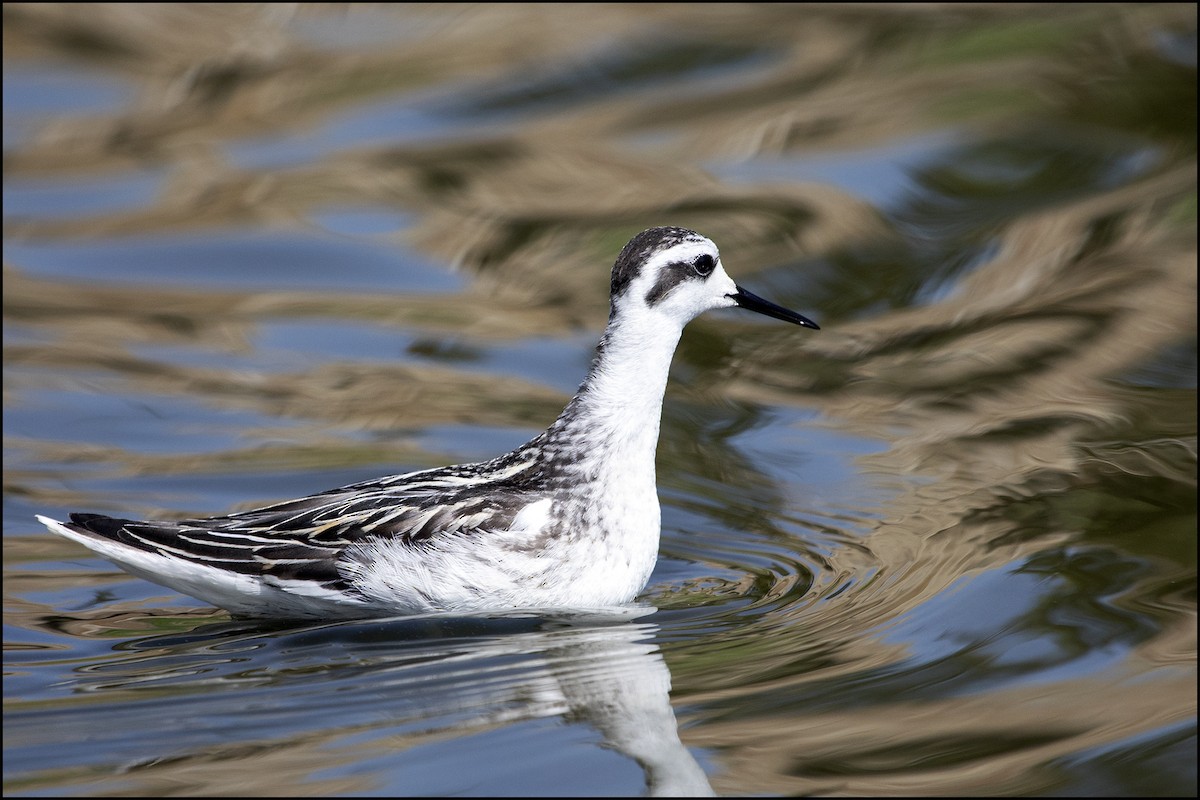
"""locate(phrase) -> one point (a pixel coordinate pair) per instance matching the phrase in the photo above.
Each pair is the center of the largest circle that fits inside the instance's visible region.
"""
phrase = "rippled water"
(946, 545)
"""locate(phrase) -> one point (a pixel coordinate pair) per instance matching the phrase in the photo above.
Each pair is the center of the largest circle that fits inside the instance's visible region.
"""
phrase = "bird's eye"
(704, 264)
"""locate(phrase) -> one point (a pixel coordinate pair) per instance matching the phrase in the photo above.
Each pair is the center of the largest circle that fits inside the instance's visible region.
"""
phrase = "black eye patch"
(677, 273)
(704, 265)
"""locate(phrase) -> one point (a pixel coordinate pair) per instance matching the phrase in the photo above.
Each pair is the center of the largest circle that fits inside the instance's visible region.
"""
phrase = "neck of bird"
(613, 420)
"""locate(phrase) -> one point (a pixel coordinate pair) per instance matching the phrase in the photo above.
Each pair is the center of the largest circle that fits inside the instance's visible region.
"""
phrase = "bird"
(568, 520)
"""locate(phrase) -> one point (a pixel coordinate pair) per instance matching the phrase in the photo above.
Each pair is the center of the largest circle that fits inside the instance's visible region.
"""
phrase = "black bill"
(753, 302)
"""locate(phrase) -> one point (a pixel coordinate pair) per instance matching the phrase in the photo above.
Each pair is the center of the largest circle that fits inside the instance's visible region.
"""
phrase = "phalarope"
(568, 520)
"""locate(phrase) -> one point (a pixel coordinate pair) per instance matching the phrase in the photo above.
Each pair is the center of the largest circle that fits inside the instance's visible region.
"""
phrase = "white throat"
(618, 408)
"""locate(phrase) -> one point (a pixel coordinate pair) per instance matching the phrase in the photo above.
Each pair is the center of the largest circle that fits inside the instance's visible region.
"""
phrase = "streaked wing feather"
(304, 539)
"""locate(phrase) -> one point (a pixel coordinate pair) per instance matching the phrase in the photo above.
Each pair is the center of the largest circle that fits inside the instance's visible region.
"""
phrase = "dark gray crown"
(641, 248)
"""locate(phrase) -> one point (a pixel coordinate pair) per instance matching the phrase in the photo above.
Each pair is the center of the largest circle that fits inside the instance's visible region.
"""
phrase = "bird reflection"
(393, 686)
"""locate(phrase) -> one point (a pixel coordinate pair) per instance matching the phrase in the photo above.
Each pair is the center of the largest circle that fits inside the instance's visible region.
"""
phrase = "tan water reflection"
(1004, 392)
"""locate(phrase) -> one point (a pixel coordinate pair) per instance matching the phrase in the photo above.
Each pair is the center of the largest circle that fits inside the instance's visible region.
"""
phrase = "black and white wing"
(300, 547)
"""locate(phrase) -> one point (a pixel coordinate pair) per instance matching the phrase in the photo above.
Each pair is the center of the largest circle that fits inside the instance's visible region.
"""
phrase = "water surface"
(946, 545)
